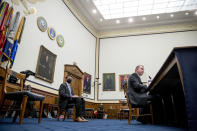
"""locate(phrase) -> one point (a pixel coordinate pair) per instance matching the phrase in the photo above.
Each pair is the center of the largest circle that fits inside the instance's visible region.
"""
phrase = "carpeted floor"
(93, 125)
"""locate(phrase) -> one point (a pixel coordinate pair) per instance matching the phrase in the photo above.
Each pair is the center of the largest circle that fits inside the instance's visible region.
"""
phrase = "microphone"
(149, 77)
(149, 81)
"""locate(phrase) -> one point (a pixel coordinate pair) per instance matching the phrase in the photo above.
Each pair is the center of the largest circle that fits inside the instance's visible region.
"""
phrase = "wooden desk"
(176, 83)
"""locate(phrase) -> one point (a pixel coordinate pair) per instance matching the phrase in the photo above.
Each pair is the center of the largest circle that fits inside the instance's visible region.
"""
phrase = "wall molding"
(150, 30)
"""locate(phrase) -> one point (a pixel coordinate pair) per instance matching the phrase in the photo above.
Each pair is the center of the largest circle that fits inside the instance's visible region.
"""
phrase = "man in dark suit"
(67, 96)
(137, 92)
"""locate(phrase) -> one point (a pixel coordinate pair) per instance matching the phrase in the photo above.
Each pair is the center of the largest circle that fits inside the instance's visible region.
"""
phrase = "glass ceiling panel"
(111, 9)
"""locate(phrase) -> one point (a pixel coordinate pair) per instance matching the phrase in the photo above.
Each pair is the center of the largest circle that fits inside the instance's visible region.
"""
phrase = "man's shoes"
(84, 119)
(78, 119)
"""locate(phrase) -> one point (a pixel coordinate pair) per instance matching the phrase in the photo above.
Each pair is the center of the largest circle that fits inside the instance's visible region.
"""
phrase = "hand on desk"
(75, 96)
(148, 83)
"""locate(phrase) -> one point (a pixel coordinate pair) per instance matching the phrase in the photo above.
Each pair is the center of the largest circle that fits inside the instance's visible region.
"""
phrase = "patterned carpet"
(93, 125)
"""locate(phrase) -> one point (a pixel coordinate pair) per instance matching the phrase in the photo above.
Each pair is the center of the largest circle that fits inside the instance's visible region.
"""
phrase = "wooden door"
(76, 75)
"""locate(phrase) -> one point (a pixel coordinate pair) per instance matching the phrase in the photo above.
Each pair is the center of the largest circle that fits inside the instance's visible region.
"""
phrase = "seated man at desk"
(137, 92)
(67, 96)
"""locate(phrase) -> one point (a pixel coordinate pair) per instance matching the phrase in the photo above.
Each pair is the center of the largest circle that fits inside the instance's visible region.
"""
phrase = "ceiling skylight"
(111, 9)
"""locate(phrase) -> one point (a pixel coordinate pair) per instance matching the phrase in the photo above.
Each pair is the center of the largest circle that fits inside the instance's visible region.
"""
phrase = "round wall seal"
(51, 33)
(60, 40)
(42, 24)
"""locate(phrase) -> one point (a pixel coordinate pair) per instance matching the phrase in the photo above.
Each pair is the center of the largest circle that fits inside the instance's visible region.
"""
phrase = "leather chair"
(131, 107)
(20, 96)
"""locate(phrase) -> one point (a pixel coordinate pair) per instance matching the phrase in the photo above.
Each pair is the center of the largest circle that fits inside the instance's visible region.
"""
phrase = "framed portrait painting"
(108, 81)
(45, 65)
(122, 80)
(87, 83)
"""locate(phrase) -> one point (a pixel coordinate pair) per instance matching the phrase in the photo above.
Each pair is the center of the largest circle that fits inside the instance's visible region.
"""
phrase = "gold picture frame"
(87, 83)
(109, 82)
(45, 65)
(123, 78)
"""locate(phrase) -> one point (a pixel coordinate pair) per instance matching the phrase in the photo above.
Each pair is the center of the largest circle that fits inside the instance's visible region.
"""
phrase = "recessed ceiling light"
(157, 17)
(186, 13)
(117, 21)
(130, 20)
(101, 19)
(171, 15)
(195, 13)
(94, 11)
(143, 18)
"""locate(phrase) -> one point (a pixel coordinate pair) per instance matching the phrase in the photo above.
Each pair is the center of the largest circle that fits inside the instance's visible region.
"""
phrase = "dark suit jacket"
(64, 96)
(137, 91)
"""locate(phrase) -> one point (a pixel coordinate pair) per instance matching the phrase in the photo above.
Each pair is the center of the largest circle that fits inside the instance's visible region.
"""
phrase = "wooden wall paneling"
(111, 109)
(50, 98)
